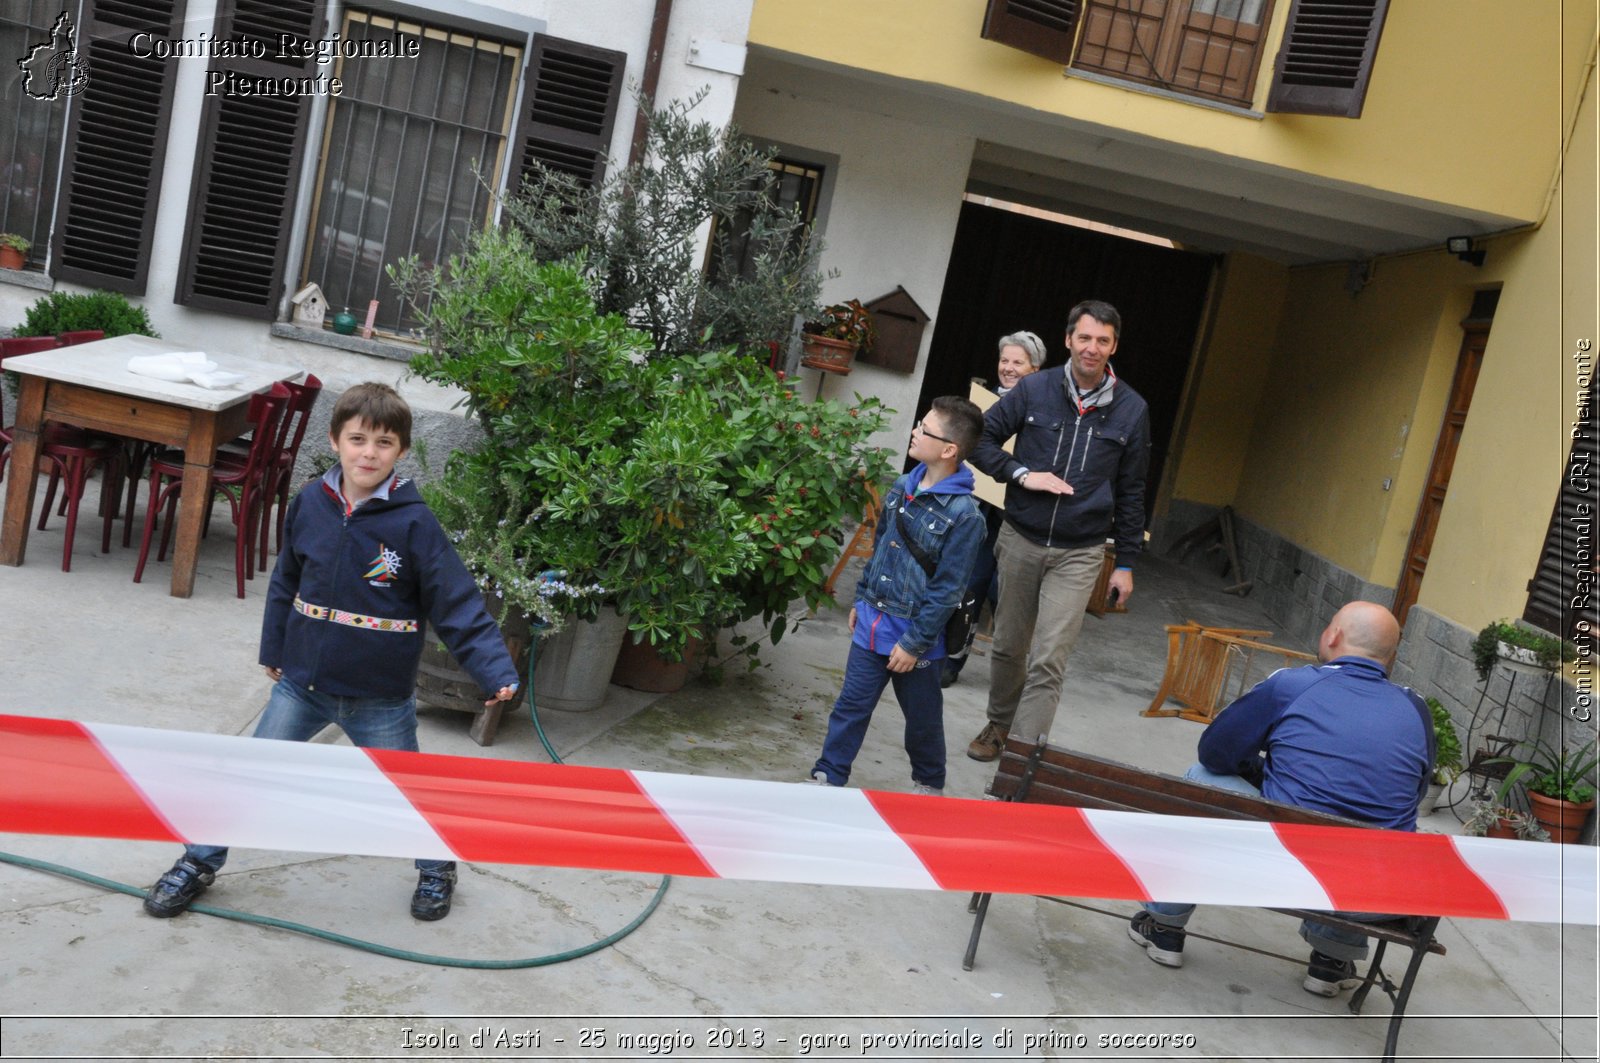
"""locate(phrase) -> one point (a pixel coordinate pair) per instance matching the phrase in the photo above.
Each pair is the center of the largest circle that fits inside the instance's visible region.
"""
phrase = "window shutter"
(1563, 590)
(1326, 58)
(116, 146)
(569, 104)
(247, 165)
(1038, 27)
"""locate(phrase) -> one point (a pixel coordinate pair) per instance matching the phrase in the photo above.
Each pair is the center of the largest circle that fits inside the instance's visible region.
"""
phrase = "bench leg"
(981, 903)
(1374, 977)
(1392, 1042)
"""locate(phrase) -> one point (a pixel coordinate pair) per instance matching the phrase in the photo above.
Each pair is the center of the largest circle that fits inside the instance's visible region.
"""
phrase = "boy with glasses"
(929, 533)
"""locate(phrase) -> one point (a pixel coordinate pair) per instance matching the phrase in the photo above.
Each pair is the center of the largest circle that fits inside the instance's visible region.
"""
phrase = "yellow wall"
(1353, 391)
(1513, 454)
(1228, 380)
(1455, 80)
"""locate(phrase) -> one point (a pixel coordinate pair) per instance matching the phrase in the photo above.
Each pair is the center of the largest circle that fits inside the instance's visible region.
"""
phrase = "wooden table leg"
(24, 469)
(195, 501)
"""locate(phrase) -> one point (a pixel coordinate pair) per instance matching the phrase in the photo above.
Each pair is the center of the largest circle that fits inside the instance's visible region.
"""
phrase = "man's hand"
(900, 660)
(1122, 583)
(852, 620)
(273, 674)
(1047, 482)
(505, 694)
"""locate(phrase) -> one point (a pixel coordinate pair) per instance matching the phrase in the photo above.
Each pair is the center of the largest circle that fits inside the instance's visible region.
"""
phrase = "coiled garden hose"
(372, 946)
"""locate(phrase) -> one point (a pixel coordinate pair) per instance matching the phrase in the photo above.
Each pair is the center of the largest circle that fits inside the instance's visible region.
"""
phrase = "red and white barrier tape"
(111, 781)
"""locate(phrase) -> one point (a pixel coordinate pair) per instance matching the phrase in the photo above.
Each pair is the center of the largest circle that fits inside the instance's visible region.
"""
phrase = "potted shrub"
(596, 459)
(14, 250)
(1560, 794)
(832, 339)
(1447, 763)
(1505, 641)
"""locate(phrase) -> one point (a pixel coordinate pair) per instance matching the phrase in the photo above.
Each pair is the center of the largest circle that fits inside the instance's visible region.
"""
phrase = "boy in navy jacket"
(928, 537)
(364, 566)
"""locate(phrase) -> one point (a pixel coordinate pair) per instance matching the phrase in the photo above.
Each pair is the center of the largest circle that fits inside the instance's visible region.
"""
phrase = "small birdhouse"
(899, 322)
(310, 306)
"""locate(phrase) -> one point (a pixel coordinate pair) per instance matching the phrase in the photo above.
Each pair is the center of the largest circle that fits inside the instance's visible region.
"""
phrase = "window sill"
(27, 278)
(1165, 94)
(393, 349)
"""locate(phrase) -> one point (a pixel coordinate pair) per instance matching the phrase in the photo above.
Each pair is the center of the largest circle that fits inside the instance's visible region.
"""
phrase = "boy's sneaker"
(178, 888)
(925, 790)
(432, 899)
(1163, 944)
(1328, 977)
(989, 742)
(818, 778)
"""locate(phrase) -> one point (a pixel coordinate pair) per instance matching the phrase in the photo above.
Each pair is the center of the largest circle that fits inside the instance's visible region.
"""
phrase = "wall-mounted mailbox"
(899, 322)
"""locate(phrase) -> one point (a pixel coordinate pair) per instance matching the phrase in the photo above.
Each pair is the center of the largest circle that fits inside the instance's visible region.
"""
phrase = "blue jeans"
(921, 701)
(1331, 941)
(294, 714)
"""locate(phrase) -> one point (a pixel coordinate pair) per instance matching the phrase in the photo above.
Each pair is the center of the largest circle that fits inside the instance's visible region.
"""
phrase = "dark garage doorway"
(1011, 271)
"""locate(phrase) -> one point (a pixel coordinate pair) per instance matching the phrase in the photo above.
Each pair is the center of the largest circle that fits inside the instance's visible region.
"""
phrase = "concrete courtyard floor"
(723, 969)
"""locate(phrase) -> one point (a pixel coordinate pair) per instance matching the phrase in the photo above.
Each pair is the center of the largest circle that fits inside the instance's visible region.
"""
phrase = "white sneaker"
(925, 790)
(819, 778)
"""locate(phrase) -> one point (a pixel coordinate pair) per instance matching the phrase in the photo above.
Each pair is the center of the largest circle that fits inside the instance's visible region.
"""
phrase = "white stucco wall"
(623, 25)
(891, 218)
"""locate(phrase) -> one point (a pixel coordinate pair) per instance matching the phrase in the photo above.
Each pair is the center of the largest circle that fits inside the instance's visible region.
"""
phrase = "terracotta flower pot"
(1563, 819)
(1502, 829)
(640, 666)
(11, 258)
(828, 354)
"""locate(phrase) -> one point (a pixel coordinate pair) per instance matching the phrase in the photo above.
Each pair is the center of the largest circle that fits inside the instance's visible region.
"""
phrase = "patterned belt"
(339, 616)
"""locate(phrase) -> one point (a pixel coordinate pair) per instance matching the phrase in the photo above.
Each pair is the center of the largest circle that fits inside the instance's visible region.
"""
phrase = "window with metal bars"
(1206, 48)
(733, 246)
(403, 147)
(31, 129)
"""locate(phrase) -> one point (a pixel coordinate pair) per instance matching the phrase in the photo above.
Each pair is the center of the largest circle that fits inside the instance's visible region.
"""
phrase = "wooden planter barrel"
(444, 683)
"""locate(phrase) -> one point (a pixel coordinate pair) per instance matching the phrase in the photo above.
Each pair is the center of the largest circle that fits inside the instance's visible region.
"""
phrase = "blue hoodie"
(896, 601)
(353, 587)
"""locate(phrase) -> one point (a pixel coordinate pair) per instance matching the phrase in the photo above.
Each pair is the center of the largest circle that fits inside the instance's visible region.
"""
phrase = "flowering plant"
(848, 321)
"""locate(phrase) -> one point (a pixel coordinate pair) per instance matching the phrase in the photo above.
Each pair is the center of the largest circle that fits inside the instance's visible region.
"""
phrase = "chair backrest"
(266, 414)
(292, 431)
(87, 335)
(27, 345)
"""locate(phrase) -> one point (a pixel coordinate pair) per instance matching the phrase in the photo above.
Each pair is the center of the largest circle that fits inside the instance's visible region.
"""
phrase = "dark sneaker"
(432, 899)
(951, 672)
(988, 744)
(1328, 977)
(178, 888)
(1164, 944)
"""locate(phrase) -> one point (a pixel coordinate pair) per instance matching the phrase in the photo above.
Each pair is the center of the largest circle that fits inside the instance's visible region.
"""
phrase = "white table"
(89, 385)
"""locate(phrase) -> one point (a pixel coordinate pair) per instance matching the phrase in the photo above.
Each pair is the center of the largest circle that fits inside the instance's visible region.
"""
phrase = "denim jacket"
(946, 523)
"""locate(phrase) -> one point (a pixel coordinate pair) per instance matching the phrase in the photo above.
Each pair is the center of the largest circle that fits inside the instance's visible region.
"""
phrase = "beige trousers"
(1043, 594)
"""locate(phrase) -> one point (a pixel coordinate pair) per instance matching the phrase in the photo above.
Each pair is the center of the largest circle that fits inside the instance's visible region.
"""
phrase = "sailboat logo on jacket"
(385, 567)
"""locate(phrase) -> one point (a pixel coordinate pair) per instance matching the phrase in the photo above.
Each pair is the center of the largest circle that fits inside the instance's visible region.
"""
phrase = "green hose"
(372, 946)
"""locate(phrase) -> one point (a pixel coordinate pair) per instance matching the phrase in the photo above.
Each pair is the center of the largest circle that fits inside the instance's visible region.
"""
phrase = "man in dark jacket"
(1075, 477)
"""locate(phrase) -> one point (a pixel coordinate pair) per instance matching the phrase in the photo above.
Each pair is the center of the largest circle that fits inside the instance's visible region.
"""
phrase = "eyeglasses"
(922, 426)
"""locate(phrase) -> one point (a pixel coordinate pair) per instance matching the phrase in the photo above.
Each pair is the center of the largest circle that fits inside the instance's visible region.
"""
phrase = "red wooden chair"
(72, 455)
(87, 335)
(244, 486)
(291, 433)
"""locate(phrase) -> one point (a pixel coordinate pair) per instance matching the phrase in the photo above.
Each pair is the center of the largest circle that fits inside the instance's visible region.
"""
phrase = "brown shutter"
(247, 165)
(569, 104)
(1327, 56)
(1563, 590)
(1038, 27)
(116, 146)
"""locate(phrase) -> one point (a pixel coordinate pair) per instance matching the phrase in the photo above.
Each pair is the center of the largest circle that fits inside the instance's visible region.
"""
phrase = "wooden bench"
(1046, 774)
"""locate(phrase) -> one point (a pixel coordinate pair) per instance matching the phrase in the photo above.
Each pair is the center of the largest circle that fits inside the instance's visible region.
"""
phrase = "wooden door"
(1468, 362)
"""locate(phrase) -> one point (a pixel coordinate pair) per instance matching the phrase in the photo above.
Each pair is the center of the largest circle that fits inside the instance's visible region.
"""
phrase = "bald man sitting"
(1335, 737)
